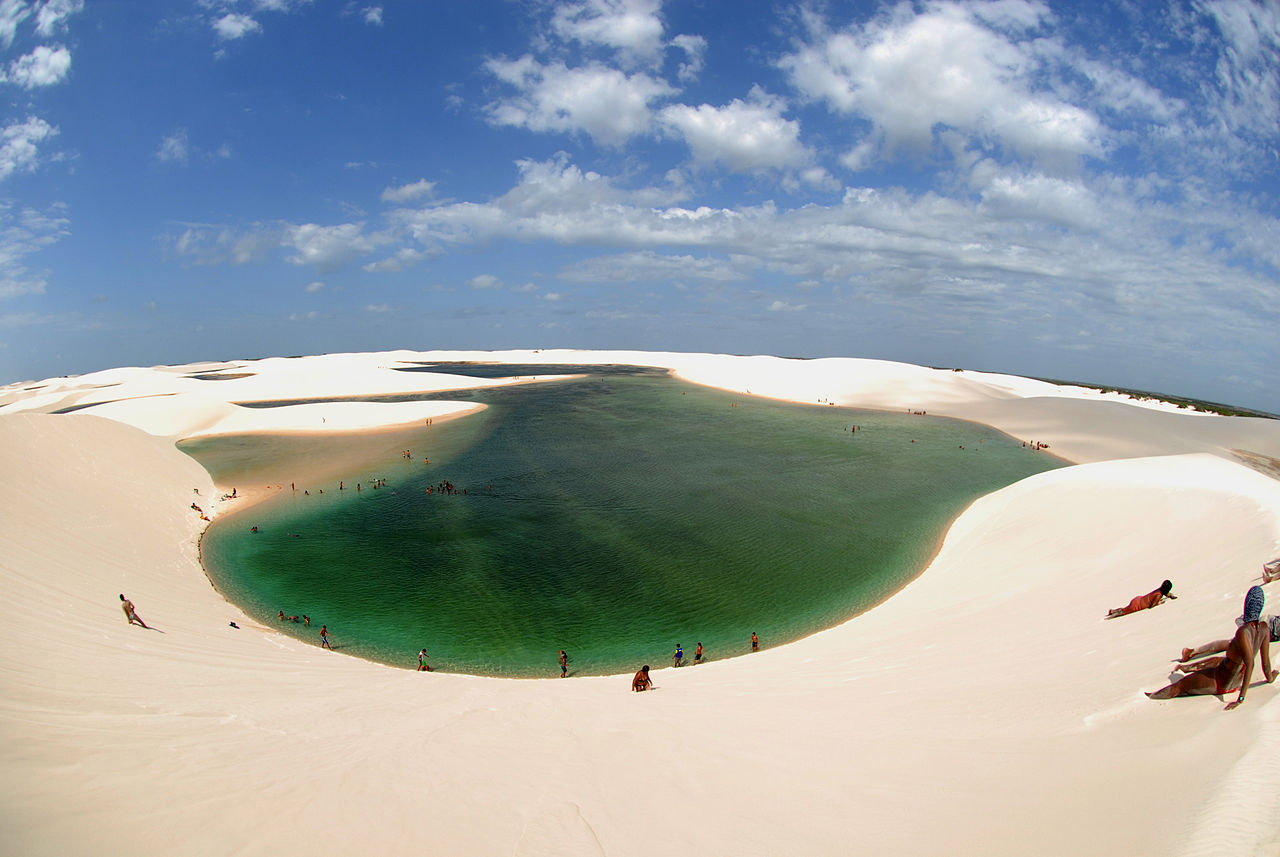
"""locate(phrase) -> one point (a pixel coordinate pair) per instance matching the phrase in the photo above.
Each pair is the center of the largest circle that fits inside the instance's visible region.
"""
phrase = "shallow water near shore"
(612, 516)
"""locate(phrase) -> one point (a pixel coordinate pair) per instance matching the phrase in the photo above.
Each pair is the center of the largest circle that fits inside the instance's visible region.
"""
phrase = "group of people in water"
(306, 620)
(1232, 664)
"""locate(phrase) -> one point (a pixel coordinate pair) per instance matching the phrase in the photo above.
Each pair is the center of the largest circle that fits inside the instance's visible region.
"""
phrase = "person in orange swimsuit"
(1144, 602)
(642, 680)
(1221, 675)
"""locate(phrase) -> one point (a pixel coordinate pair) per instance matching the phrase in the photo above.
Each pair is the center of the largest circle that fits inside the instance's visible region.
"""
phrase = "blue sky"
(1082, 191)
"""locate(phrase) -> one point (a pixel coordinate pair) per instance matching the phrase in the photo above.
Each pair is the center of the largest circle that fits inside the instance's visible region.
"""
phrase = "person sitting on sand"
(642, 680)
(129, 614)
(1272, 622)
(1221, 675)
(1144, 602)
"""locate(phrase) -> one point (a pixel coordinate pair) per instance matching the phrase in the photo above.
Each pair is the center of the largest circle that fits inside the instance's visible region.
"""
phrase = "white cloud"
(327, 247)
(403, 258)
(484, 281)
(235, 25)
(44, 66)
(53, 14)
(312, 288)
(911, 73)
(12, 13)
(630, 27)
(408, 192)
(373, 15)
(605, 103)
(553, 296)
(1246, 71)
(174, 147)
(647, 265)
(695, 48)
(379, 308)
(783, 306)
(745, 136)
(19, 145)
(22, 234)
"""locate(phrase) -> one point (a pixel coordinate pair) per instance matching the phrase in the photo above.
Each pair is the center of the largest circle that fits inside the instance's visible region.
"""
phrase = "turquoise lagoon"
(612, 516)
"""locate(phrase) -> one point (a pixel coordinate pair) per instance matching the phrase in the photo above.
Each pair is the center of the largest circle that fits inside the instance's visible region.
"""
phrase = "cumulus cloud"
(605, 103)
(694, 47)
(372, 15)
(408, 192)
(44, 66)
(745, 136)
(20, 145)
(235, 25)
(910, 74)
(632, 28)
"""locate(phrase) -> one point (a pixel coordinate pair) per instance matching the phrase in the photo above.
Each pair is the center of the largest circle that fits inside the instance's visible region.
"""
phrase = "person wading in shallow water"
(564, 664)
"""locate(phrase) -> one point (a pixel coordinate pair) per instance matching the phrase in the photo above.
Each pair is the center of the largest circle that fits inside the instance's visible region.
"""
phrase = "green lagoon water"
(613, 517)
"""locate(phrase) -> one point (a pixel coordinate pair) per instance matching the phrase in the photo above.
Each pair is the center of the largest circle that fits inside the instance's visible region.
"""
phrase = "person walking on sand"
(1144, 602)
(642, 680)
(1221, 675)
(324, 638)
(755, 642)
(564, 663)
(423, 666)
(697, 655)
(127, 606)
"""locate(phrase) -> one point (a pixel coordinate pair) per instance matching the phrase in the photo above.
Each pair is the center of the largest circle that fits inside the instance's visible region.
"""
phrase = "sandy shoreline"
(990, 681)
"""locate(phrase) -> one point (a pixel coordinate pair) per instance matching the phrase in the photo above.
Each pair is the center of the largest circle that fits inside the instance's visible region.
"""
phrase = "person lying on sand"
(1221, 675)
(1143, 602)
(642, 680)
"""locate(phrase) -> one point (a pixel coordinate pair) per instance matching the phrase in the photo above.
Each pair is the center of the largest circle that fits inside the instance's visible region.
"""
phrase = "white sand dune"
(986, 709)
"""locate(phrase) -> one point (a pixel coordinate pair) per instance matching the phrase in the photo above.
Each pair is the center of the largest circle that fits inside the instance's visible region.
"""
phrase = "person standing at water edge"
(642, 680)
(564, 664)
(423, 666)
(324, 638)
(678, 657)
(697, 655)
(755, 642)
(127, 606)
